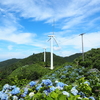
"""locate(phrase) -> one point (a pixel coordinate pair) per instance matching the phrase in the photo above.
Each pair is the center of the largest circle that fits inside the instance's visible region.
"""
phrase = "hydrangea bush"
(67, 83)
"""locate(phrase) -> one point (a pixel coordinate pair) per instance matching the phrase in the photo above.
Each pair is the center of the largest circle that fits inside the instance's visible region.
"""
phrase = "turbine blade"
(55, 40)
(49, 40)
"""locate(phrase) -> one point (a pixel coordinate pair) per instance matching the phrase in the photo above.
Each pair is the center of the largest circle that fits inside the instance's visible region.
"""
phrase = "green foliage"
(91, 59)
(84, 87)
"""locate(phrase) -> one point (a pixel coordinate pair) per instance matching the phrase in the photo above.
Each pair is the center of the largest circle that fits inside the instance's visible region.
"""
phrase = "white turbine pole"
(44, 54)
(51, 53)
(82, 46)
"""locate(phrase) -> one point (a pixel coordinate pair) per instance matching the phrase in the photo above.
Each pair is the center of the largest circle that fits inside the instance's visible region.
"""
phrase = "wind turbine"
(82, 45)
(52, 37)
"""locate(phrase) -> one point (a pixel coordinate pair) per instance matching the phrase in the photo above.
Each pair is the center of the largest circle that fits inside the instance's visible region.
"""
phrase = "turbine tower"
(82, 45)
(44, 54)
(52, 37)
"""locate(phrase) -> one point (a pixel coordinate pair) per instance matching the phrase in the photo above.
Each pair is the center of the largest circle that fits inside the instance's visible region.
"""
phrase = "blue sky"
(26, 24)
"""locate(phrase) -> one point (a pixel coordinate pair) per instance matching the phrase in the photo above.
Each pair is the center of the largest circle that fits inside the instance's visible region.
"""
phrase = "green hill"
(33, 67)
(8, 62)
(72, 57)
(91, 59)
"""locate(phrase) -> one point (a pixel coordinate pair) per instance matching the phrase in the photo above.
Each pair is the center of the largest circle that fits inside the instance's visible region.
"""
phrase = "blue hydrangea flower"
(23, 95)
(6, 86)
(3, 96)
(47, 82)
(74, 91)
(15, 91)
(14, 86)
(81, 94)
(52, 88)
(32, 83)
(92, 98)
(66, 93)
(38, 87)
(60, 84)
(25, 90)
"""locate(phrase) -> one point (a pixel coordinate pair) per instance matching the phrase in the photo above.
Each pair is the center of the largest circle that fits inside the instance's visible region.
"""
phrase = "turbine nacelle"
(51, 35)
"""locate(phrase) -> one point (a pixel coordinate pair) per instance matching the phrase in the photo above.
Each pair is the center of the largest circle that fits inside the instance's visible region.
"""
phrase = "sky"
(26, 24)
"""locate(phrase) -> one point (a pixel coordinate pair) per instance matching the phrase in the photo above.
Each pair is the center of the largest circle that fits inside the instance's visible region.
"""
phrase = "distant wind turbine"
(52, 37)
(82, 45)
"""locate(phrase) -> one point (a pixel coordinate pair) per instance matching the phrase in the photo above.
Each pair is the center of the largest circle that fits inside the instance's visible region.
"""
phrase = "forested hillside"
(72, 57)
(32, 67)
(91, 59)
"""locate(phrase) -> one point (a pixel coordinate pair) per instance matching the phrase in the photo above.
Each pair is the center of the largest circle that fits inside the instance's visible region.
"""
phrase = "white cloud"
(10, 47)
(11, 34)
(57, 9)
(56, 48)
